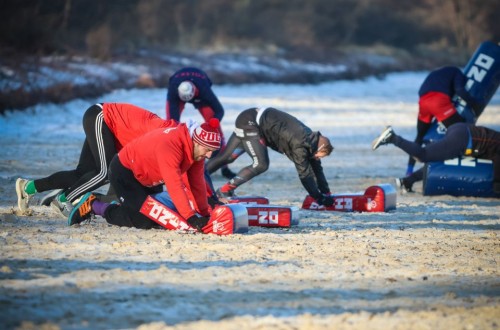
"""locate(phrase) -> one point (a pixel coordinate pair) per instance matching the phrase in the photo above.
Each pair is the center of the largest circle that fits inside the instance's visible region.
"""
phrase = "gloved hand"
(325, 200)
(213, 202)
(198, 222)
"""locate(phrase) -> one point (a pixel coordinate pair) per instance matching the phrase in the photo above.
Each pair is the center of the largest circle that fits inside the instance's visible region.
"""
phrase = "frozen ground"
(433, 263)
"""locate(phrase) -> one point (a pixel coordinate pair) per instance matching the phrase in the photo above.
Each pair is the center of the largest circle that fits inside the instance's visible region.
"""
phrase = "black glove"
(197, 222)
(213, 202)
(325, 200)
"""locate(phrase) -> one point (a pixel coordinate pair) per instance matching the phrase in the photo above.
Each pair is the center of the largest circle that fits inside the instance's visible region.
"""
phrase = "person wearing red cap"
(108, 127)
(160, 158)
(192, 85)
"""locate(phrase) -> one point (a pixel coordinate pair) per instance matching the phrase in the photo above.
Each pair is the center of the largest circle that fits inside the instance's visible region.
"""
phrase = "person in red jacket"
(108, 128)
(192, 85)
(173, 157)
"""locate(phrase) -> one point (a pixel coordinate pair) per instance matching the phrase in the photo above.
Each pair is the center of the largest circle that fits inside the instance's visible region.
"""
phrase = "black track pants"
(92, 169)
(452, 145)
(131, 195)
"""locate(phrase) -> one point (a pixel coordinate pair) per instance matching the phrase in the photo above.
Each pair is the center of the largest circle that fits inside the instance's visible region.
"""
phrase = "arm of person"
(209, 98)
(320, 176)
(174, 104)
(169, 162)
(198, 186)
(307, 177)
(459, 83)
(310, 185)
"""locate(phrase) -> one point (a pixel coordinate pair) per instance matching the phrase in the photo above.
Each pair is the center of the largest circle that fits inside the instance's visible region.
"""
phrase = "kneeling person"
(256, 129)
(161, 157)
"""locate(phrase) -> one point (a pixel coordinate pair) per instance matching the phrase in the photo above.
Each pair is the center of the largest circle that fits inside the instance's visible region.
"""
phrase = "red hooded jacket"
(164, 156)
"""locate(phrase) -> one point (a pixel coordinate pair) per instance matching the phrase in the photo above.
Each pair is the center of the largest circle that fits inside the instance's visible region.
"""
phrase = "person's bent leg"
(452, 145)
(65, 179)
(407, 182)
(260, 157)
(101, 143)
(131, 195)
(207, 113)
(85, 171)
(233, 150)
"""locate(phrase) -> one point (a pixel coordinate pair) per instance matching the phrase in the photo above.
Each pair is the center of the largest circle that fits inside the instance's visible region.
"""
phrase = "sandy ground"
(433, 263)
(430, 264)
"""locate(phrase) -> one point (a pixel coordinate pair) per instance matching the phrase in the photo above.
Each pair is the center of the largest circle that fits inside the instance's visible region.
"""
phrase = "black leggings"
(235, 147)
(131, 195)
(92, 169)
(452, 145)
(422, 129)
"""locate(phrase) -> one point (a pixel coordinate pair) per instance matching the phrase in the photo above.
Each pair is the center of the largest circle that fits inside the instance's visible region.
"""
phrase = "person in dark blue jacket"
(192, 85)
(436, 103)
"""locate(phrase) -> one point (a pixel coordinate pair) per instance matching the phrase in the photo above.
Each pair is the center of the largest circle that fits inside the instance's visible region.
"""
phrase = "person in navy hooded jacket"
(192, 85)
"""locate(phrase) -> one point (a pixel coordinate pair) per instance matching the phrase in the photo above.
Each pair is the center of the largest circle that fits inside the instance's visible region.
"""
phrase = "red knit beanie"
(207, 134)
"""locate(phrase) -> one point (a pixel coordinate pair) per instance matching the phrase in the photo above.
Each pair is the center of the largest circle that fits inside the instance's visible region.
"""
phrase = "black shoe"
(403, 186)
(227, 173)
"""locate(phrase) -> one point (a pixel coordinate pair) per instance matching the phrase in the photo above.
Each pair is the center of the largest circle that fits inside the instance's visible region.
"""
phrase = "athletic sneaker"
(23, 198)
(228, 194)
(63, 208)
(383, 138)
(403, 186)
(83, 210)
(47, 199)
(227, 173)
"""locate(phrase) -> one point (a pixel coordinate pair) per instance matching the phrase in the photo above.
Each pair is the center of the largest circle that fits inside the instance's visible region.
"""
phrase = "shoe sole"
(47, 199)
(376, 143)
(77, 206)
(20, 200)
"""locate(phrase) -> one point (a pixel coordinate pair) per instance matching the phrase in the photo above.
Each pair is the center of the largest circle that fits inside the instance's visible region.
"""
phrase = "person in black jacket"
(436, 103)
(259, 128)
(461, 139)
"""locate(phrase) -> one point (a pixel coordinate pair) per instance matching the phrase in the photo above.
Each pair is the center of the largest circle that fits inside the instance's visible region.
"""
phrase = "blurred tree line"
(100, 28)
